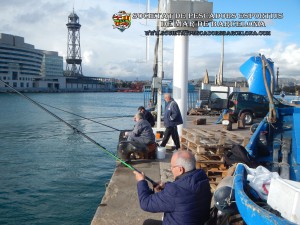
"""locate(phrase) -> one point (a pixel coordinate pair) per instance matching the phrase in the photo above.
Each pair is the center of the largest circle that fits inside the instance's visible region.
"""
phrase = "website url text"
(206, 33)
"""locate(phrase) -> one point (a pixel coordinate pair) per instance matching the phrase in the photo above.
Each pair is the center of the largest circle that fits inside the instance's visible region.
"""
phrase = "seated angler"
(147, 115)
(142, 131)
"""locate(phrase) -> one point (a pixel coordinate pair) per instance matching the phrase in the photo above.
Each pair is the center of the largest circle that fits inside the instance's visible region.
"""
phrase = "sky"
(107, 52)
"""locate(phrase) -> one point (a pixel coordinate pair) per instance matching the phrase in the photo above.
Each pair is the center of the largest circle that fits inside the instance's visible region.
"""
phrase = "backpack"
(238, 154)
(151, 119)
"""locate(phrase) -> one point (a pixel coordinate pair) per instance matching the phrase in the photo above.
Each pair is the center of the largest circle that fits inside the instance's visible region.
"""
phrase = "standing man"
(184, 201)
(172, 118)
(147, 115)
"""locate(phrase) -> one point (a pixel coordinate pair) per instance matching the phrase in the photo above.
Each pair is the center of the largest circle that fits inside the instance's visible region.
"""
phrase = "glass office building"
(52, 64)
(22, 66)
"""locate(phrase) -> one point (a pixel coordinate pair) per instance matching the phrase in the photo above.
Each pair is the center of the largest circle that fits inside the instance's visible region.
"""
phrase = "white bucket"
(161, 152)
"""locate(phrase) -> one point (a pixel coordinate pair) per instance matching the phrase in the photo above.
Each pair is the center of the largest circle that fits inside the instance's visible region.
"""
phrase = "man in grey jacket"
(142, 131)
(172, 118)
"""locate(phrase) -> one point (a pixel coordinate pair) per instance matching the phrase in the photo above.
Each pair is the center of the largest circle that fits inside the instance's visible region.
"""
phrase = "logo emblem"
(122, 20)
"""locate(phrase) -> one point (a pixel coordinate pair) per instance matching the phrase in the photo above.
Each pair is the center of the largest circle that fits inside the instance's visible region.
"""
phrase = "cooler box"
(284, 196)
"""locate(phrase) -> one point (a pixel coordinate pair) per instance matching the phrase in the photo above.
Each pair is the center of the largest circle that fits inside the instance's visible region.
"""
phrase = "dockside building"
(28, 69)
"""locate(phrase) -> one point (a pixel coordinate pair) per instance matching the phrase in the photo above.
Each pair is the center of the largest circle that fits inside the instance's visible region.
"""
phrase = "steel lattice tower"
(74, 53)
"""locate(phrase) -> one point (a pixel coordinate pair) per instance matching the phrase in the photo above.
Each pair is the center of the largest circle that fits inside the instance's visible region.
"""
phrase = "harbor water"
(49, 174)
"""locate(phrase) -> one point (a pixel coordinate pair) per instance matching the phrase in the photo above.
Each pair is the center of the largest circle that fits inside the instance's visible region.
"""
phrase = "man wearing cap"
(147, 115)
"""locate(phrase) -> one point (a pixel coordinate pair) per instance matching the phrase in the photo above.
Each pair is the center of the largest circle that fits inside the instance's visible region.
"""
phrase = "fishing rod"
(81, 133)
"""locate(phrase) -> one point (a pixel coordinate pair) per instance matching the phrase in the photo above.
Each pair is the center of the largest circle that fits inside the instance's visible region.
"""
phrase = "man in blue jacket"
(172, 118)
(186, 201)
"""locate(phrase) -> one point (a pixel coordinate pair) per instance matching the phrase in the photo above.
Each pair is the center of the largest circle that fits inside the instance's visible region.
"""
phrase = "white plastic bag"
(260, 179)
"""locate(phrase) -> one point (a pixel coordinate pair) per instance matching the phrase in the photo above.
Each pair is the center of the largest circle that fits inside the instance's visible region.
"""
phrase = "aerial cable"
(81, 133)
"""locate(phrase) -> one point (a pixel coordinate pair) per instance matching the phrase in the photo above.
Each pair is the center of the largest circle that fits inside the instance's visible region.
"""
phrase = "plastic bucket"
(161, 152)
(157, 135)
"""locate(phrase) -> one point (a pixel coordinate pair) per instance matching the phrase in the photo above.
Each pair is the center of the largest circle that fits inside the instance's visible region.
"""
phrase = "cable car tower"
(73, 60)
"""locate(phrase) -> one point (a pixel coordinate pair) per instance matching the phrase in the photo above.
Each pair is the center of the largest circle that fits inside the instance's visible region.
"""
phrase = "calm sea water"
(48, 174)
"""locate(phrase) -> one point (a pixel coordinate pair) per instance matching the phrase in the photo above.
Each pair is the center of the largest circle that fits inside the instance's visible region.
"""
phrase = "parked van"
(217, 100)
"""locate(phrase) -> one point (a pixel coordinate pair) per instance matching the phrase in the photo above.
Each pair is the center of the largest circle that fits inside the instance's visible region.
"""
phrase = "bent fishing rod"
(81, 133)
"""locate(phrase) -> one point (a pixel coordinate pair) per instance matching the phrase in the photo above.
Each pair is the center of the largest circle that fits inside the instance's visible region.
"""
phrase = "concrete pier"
(120, 203)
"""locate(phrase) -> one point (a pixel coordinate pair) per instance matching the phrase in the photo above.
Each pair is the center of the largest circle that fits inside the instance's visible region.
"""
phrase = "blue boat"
(275, 144)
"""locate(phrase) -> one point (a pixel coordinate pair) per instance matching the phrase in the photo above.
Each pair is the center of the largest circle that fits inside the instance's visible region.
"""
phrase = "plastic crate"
(284, 196)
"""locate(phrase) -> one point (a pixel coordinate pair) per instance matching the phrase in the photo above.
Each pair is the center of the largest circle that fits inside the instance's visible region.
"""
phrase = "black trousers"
(171, 131)
(152, 222)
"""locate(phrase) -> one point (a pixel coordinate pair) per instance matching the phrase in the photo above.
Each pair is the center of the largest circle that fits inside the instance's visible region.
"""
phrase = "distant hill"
(225, 79)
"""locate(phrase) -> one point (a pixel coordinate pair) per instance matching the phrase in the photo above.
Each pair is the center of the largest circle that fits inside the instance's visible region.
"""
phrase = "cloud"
(287, 58)
(206, 54)
(107, 52)
(29, 18)
(87, 56)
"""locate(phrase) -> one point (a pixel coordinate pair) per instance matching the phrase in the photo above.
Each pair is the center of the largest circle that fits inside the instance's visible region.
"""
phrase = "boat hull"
(251, 212)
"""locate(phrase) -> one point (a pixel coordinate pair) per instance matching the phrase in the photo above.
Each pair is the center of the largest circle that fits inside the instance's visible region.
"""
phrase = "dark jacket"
(149, 117)
(185, 201)
(172, 115)
(142, 132)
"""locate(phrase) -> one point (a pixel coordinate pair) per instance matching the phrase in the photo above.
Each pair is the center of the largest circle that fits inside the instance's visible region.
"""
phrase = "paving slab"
(120, 205)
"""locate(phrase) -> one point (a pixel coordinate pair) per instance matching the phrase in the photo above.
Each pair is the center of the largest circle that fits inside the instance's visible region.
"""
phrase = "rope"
(272, 112)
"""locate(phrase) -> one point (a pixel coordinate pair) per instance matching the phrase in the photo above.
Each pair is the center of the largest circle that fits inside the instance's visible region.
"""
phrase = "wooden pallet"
(214, 168)
(208, 147)
(198, 141)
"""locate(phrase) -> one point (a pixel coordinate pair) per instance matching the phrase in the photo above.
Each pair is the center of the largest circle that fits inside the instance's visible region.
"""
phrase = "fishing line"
(90, 119)
(99, 117)
(82, 117)
(107, 118)
(81, 133)
(58, 135)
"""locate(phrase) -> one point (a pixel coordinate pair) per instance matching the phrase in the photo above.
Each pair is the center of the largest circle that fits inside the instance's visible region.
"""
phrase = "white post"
(180, 76)
(159, 69)
(147, 37)
(181, 43)
(220, 74)
(160, 75)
